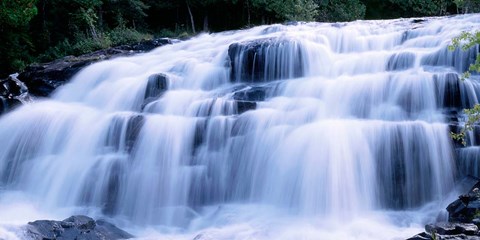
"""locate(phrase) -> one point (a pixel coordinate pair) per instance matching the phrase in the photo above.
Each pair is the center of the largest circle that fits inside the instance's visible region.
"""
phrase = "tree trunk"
(191, 17)
(100, 18)
(248, 12)
(205, 23)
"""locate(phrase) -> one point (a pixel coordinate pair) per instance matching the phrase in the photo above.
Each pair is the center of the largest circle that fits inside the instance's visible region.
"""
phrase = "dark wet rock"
(458, 59)
(8, 104)
(250, 94)
(421, 236)
(156, 86)
(445, 228)
(12, 93)
(123, 132)
(451, 92)
(463, 221)
(110, 196)
(291, 23)
(338, 24)
(418, 20)
(134, 126)
(243, 106)
(110, 231)
(401, 61)
(452, 116)
(200, 133)
(42, 79)
(452, 231)
(75, 228)
(466, 208)
(259, 60)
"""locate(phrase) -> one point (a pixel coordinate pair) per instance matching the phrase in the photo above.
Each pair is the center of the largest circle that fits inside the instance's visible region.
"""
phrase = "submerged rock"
(401, 61)
(243, 106)
(73, 228)
(156, 86)
(250, 94)
(265, 60)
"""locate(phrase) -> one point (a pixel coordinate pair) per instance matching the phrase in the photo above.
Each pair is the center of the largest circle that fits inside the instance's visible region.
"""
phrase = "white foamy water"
(313, 131)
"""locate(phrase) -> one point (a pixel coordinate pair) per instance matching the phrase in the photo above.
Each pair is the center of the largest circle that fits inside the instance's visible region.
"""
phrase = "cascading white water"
(312, 131)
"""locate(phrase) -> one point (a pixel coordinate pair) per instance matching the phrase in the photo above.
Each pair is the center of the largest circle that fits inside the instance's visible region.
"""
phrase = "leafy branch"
(465, 41)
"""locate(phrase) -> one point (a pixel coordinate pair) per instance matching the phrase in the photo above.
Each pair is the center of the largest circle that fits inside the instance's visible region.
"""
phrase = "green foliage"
(419, 7)
(16, 13)
(467, 6)
(465, 41)
(46, 29)
(125, 12)
(473, 116)
(303, 10)
(84, 44)
(123, 35)
(296, 10)
(341, 10)
(15, 44)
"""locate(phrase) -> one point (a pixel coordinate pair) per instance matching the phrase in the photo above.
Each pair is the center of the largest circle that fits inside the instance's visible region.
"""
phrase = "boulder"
(421, 236)
(446, 228)
(12, 93)
(463, 220)
(73, 228)
(156, 86)
(466, 208)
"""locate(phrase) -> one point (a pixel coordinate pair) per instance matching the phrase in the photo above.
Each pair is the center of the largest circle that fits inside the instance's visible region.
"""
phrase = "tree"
(467, 6)
(417, 8)
(301, 10)
(15, 44)
(465, 41)
(340, 10)
(124, 13)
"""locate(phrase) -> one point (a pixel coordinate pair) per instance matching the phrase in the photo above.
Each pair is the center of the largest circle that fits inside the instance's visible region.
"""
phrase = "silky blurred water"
(348, 139)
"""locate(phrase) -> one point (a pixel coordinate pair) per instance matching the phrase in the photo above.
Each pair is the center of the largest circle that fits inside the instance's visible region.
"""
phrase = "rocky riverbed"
(463, 219)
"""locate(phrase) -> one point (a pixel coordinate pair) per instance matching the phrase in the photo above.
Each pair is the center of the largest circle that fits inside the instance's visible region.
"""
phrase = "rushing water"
(312, 131)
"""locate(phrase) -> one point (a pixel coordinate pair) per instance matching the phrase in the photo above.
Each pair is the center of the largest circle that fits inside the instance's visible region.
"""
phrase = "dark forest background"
(44, 30)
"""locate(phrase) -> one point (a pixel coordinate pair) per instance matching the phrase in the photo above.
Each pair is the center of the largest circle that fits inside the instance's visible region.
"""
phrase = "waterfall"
(306, 131)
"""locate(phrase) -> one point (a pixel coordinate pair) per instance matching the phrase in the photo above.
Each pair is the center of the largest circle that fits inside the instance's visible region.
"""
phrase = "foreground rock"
(464, 220)
(75, 227)
(12, 93)
(42, 79)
